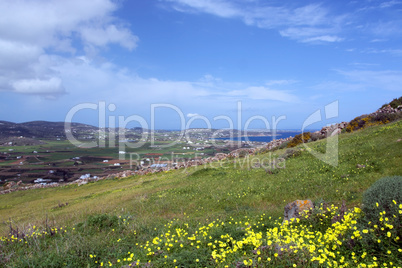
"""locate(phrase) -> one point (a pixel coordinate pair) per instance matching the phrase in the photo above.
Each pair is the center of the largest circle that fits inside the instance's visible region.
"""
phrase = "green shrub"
(371, 120)
(316, 136)
(386, 118)
(243, 153)
(291, 153)
(382, 196)
(375, 119)
(358, 123)
(283, 145)
(394, 103)
(103, 221)
(300, 138)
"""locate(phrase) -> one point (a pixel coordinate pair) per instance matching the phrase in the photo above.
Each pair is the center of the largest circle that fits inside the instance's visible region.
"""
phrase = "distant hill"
(40, 129)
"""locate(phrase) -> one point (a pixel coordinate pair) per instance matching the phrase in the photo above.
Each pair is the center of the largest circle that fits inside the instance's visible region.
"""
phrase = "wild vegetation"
(387, 113)
(394, 103)
(300, 138)
(227, 214)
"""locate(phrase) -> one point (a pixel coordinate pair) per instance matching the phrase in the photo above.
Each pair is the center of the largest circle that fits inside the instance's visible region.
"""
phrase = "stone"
(336, 132)
(333, 129)
(9, 185)
(82, 182)
(297, 208)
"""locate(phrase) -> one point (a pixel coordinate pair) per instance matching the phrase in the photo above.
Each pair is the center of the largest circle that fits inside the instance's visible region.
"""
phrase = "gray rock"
(297, 208)
(336, 132)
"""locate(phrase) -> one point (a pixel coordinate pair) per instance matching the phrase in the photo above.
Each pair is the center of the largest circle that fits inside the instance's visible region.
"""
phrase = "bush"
(316, 136)
(357, 123)
(103, 221)
(375, 118)
(291, 153)
(283, 145)
(243, 153)
(386, 118)
(371, 120)
(300, 138)
(394, 103)
(382, 196)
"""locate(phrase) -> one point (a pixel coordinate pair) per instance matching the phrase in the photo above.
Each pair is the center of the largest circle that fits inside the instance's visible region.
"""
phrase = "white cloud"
(389, 28)
(394, 52)
(363, 80)
(90, 81)
(215, 7)
(323, 38)
(309, 34)
(309, 23)
(280, 82)
(377, 40)
(29, 30)
(390, 4)
(110, 34)
(263, 93)
(381, 80)
(47, 23)
(330, 87)
(16, 54)
(37, 86)
(86, 81)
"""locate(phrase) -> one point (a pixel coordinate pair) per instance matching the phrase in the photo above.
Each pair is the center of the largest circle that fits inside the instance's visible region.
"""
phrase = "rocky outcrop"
(387, 110)
(332, 130)
(9, 185)
(30, 187)
(297, 208)
(277, 143)
(242, 152)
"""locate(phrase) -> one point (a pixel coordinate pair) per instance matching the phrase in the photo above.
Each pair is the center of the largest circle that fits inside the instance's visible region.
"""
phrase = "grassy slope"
(227, 190)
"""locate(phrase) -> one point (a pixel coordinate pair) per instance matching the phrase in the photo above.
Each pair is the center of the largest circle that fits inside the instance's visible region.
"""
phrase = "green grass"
(226, 191)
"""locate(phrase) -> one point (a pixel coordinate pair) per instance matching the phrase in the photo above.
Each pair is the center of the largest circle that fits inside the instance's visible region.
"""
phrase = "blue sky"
(198, 60)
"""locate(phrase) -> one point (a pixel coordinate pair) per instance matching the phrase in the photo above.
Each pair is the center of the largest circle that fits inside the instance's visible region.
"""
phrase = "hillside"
(113, 217)
(39, 129)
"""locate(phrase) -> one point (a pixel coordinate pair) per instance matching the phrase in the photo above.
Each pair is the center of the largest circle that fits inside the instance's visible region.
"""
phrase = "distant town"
(41, 152)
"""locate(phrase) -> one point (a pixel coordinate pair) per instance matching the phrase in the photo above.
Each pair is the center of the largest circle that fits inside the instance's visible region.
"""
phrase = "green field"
(59, 155)
(161, 218)
(69, 151)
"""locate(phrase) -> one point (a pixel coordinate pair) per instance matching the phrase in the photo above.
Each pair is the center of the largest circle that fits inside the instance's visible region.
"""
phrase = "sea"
(279, 135)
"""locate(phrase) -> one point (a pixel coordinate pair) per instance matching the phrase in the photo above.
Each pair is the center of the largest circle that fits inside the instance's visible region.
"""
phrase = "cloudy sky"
(181, 61)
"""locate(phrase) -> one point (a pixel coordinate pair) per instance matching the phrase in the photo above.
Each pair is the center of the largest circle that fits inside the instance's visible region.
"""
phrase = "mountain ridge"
(39, 129)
